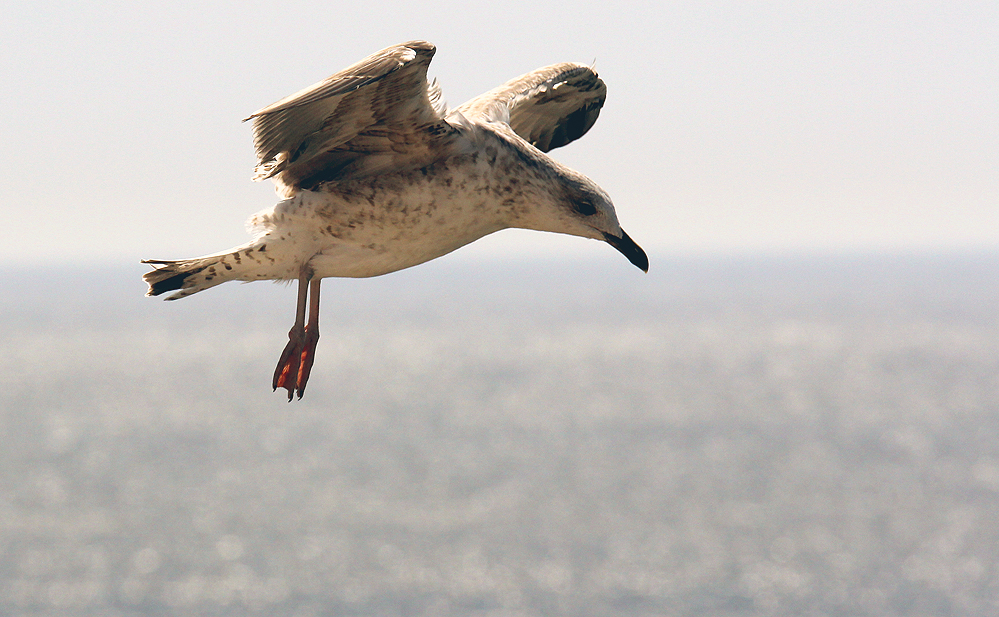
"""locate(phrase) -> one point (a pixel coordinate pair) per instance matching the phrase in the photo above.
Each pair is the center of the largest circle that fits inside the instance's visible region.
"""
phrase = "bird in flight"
(377, 175)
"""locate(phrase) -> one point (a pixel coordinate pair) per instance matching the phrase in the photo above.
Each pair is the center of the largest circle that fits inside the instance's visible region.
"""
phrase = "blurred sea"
(810, 435)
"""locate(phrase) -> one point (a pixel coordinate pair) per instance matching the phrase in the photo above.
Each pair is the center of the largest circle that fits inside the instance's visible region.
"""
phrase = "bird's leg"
(311, 337)
(286, 373)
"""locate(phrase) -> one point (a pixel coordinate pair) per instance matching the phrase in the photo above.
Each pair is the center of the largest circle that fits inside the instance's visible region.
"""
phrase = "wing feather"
(548, 108)
(337, 127)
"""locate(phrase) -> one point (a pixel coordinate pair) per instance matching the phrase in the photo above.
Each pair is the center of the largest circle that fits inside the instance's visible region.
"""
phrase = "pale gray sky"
(728, 125)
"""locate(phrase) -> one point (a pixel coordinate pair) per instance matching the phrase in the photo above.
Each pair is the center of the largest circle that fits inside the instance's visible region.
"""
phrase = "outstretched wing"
(376, 115)
(549, 107)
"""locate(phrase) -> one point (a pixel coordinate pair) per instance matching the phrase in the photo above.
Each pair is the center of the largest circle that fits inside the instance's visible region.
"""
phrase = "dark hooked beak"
(629, 249)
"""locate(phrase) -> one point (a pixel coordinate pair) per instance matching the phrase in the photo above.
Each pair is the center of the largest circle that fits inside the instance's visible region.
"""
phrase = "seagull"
(376, 174)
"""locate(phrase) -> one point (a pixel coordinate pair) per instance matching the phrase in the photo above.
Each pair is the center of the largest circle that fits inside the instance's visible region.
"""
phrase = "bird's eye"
(584, 207)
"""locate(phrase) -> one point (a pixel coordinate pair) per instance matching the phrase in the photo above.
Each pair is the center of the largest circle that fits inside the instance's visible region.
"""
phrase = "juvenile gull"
(377, 175)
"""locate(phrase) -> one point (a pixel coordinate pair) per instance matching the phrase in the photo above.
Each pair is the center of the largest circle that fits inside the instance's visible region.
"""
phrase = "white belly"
(379, 225)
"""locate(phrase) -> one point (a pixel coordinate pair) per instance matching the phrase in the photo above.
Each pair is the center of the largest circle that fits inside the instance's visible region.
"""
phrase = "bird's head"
(591, 212)
(583, 209)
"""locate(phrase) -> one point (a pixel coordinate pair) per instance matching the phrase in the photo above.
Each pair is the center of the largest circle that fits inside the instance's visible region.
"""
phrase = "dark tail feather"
(185, 277)
(170, 282)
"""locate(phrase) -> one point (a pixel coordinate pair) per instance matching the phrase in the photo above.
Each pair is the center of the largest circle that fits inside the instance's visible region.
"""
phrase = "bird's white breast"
(373, 226)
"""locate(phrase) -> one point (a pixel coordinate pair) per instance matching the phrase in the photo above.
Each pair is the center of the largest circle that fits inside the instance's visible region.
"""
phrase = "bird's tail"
(189, 276)
(185, 277)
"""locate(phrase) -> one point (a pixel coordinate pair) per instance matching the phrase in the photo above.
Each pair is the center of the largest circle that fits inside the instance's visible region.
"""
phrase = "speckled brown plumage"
(377, 175)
